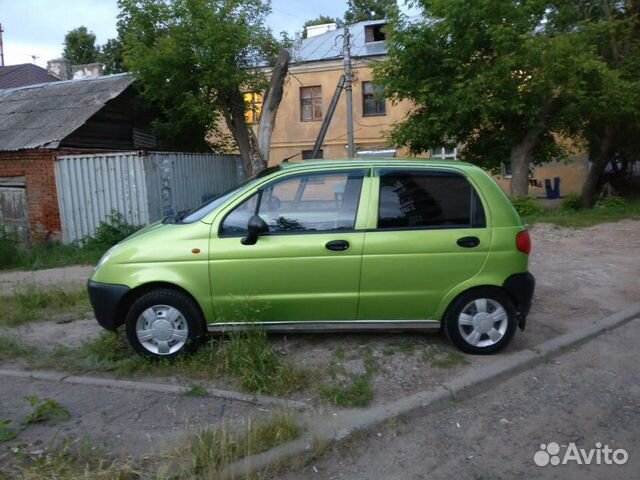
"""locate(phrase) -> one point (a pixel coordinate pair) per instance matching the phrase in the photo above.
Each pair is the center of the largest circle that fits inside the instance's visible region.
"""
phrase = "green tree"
(195, 58)
(361, 10)
(80, 46)
(607, 114)
(111, 56)
(321, 20)
(490, 78)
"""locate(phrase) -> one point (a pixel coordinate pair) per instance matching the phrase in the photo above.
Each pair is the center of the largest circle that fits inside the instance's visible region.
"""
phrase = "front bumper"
(520, 287)
(106, 299)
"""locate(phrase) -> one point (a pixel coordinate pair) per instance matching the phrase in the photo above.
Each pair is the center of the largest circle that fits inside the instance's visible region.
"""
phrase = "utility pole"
(351, 149)
(1, 48)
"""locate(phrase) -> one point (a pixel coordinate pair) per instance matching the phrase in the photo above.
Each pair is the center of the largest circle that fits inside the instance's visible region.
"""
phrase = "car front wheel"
(481, 321)
(164, 323)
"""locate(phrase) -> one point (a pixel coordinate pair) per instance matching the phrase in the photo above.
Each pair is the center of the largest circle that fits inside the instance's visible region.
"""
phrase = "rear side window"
(428, 199)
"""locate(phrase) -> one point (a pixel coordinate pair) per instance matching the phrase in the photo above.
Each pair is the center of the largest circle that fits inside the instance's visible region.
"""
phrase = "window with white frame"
(445, 153)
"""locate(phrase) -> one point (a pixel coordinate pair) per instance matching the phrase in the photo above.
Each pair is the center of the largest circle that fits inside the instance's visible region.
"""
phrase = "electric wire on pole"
(348, 88)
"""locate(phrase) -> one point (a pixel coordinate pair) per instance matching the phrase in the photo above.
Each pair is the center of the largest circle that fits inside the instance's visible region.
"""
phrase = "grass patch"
(351, 389)
(6, 431)
(204, 455)
(30, 303)
(605, 211)
(442, 358)
(11, 349)
(111, 230)
(197, 390)
(213, 449)
(356, 392)
(246, 356)
(44, 410)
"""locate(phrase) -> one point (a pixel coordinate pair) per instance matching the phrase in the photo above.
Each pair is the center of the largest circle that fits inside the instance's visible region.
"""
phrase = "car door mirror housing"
(256, 227)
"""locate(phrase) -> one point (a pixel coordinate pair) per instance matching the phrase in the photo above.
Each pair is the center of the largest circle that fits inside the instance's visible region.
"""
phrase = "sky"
(34, 29)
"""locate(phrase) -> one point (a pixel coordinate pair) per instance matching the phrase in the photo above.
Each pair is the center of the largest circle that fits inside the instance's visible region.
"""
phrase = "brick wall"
(38, 168)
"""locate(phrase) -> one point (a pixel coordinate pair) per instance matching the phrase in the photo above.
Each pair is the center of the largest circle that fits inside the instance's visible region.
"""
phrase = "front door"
(430, 236)
(307, 267)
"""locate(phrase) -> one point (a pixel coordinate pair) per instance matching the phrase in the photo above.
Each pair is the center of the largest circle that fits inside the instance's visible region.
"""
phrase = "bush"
(527, 206)
(612, 202)
(9, 254)
(572, 201)
(113, 229)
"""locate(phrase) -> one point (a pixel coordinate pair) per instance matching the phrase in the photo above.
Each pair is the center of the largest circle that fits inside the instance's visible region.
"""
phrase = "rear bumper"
(105, 299)
(521, 287)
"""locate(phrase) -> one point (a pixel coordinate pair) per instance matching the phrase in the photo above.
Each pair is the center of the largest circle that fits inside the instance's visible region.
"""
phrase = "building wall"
(572, 174)
(37, 166)
(291, 135)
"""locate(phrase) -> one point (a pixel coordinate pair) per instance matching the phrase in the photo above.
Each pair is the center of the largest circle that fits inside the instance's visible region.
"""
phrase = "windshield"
(209, 206)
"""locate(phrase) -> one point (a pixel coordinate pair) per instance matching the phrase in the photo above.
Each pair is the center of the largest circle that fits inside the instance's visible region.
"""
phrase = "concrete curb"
(261, 400)
(323, 431)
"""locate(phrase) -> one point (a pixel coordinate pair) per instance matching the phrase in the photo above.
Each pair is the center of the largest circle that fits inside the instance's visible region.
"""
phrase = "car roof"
(377, 162)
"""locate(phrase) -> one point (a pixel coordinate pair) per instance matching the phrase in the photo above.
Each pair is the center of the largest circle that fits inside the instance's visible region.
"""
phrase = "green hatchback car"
(327, 246)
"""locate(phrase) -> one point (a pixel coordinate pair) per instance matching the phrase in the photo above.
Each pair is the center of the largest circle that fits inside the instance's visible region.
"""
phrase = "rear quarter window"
(427, 199)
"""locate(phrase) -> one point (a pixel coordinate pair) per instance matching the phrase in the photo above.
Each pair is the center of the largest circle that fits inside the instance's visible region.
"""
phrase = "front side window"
(321, 202)
(420, 199)
(310, 103)
(373, 102)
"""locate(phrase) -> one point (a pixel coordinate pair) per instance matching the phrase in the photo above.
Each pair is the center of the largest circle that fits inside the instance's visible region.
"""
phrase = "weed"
(31, 303)
(249, 357)
(527, 206)
(572, 201)
(357, 393)
(405, 346)
(606, 211)
(443, 358)
(111, 230)
(351, 390)
(11, 349)
(6, 432)
(612, 202)
(45, 409)
(339, 353)
(211, 450)
(197, 390)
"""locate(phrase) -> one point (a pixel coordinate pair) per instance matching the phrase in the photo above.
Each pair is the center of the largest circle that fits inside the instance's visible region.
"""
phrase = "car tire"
(481, 321)
(164, 323)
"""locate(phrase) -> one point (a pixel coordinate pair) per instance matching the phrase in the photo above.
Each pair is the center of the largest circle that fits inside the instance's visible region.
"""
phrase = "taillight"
(523, 242)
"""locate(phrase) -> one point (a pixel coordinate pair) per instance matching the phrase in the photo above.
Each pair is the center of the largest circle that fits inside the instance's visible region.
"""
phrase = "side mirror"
(256, 227)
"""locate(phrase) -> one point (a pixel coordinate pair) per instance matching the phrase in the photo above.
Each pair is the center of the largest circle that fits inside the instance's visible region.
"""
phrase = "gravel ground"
(121, 422)
(588, 396)
(67, 277)
(582, 276)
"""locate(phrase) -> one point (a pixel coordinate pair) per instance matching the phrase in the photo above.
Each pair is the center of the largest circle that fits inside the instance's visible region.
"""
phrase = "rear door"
(429, 234)
(307, 267)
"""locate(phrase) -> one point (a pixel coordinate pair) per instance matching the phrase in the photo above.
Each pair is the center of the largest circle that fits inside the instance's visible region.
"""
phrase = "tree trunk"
(521, 156)
(233, 110)
(272, 100)
(254, 152)
(599, 160)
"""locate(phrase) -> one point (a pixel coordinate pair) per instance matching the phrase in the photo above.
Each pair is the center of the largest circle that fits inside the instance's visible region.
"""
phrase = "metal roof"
(328, 46)
(41, 116)
(24, 74)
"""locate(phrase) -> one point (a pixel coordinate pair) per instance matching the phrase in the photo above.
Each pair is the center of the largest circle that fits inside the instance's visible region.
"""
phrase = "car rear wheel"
(481, 321)
(164, 323)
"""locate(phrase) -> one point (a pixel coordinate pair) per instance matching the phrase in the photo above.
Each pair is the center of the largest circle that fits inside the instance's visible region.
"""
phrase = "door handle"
(469, 242)
(337, 245)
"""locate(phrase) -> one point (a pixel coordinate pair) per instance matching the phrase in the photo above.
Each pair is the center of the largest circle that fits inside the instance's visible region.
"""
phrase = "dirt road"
(589, 397)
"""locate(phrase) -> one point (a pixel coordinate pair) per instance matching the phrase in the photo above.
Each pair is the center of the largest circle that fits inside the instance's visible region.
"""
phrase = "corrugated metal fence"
(142, 186)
